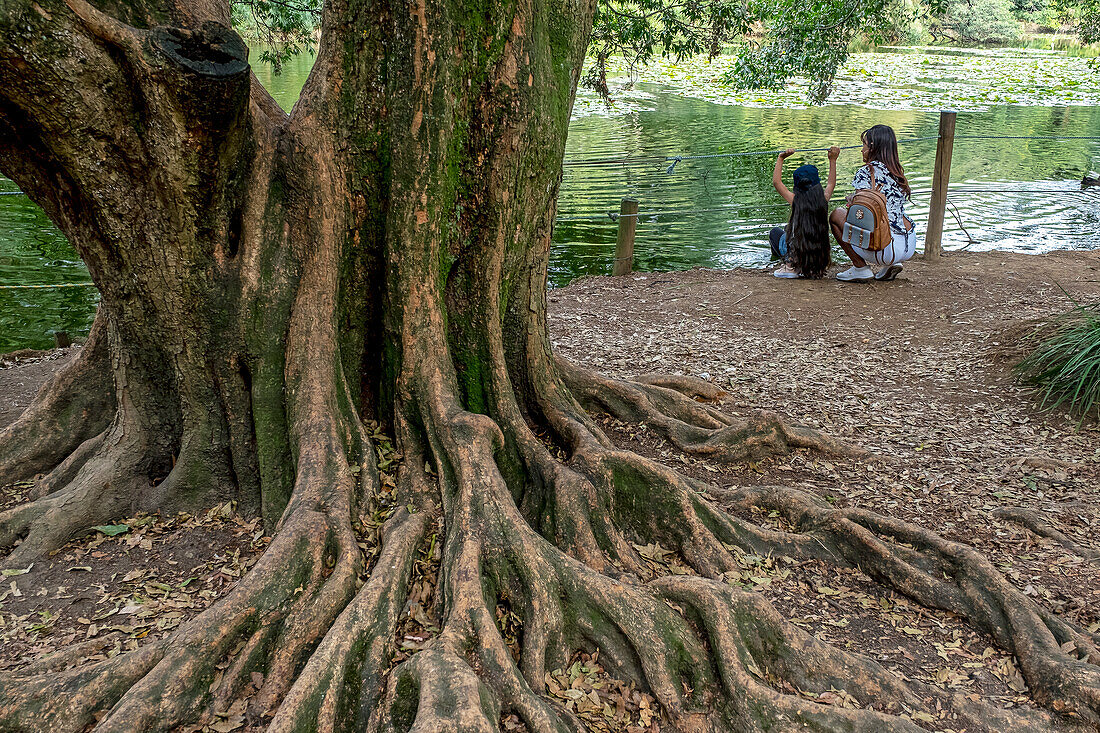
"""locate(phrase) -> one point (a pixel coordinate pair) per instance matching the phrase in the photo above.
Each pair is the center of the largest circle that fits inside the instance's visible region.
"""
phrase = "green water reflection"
(1010, 194)
(34, 252)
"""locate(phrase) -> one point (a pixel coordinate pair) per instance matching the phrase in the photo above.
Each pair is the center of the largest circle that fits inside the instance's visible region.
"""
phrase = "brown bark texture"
(271, 282)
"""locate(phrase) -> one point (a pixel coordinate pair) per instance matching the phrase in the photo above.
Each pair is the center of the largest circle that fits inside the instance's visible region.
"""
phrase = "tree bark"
(271, 281)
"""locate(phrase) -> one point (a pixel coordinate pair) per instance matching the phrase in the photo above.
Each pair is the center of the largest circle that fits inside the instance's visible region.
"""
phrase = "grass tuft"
(1064, 368)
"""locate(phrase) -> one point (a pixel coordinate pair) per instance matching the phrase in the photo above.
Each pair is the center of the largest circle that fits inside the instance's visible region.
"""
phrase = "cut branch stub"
(208, 68)
(210, 50)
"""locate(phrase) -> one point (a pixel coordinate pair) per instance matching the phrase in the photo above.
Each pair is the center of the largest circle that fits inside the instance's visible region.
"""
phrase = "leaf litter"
(603, 704)
(127, 583)
(420, 619)
(954, 438)
(958, 441)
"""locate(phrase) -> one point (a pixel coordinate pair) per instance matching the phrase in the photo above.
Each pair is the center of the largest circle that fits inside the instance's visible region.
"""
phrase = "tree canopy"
(776, 41)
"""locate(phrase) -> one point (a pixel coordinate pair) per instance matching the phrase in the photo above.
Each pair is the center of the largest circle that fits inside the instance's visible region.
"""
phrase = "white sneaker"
(786, 271)
(856, 275)
(888, 273)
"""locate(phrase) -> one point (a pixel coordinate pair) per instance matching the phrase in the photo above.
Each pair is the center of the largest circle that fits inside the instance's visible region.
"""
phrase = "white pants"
(901, 248)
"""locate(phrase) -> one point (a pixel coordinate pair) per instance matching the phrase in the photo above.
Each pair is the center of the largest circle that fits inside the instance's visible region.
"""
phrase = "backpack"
(867, 225)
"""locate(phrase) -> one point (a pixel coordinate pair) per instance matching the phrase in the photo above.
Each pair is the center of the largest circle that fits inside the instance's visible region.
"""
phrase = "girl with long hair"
(804, 244)
(882, 169)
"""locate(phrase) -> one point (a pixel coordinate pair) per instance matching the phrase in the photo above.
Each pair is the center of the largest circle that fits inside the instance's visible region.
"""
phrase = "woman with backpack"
(882, 174)
(804, 244)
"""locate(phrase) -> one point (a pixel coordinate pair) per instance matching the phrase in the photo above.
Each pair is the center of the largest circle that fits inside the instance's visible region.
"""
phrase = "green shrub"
(1064, 367)
(976, 21)
(1084, 15)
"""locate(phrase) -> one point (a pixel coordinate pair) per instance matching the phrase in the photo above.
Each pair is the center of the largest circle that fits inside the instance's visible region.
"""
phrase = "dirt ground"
(913, 371)
(22, 373)
(916, 372)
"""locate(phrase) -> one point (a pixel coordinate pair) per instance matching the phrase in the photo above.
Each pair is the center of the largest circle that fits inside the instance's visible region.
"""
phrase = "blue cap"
(806, 176)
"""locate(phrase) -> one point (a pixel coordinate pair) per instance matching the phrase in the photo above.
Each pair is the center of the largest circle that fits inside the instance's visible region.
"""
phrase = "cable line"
(1026, 137)
(55, 285)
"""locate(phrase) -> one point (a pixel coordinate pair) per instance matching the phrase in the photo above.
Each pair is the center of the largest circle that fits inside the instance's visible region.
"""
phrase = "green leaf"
(112, 530)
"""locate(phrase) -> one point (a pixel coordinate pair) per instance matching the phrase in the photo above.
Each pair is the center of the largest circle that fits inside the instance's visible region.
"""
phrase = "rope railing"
(1028, 137)
(678, 158)
(615, 216)
(963, 189)
(595, 162)
(48, 286)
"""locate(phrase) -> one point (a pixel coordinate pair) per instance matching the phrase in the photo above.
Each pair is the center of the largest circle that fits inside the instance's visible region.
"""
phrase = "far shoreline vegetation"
(766, 57)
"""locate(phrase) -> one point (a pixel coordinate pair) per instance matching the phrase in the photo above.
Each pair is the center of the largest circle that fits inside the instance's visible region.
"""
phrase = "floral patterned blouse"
(890, 188)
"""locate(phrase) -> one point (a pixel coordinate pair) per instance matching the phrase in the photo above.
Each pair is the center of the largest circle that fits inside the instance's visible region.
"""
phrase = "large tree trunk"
(270, 282)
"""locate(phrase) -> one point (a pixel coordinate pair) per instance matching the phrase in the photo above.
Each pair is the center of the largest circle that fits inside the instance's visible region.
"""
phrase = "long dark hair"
(808, 230)
(882, 145)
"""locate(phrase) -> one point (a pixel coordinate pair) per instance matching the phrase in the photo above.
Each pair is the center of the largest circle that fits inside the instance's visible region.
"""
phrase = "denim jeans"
(777, 237)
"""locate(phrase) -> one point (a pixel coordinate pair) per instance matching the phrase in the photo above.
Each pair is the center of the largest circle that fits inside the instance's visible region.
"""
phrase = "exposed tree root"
(565, 604)
(670, 406)
(1060, 661)
(1042, 527)
(715, 658)
(49, 695)
(104, 476)
(437, 692)
(911, 560)
(759, 651)
(342, 682)
(618, 496)
(270, 622)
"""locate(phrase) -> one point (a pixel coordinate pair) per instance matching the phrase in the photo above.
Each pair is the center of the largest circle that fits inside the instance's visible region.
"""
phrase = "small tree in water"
(976, 21)
(272, 282)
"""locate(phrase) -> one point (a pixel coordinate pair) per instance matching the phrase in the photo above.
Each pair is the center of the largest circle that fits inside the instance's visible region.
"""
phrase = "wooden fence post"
(61, 338)
(624, 247)
(937, 209)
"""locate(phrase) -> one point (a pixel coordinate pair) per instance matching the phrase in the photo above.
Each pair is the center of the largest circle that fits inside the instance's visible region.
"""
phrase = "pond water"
(1020, 194)
(34, 252)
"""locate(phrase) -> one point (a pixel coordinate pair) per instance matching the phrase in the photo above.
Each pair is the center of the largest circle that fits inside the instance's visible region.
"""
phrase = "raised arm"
(777, 176)
(834, 153)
